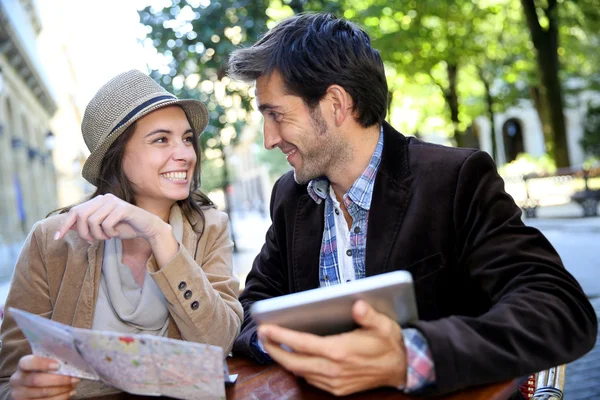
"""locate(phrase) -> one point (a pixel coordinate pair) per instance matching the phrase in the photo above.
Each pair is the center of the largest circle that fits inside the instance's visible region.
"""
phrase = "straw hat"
(120, 102)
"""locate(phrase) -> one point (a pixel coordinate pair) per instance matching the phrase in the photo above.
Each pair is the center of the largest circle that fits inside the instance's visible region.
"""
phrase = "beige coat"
(60, 280)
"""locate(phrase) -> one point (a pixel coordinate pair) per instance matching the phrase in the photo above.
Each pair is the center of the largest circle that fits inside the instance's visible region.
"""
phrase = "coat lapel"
(86, 303)
(391, 195)
(306, 246)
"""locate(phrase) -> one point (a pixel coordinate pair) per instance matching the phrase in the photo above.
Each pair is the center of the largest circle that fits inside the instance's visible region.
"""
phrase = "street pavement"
(577, 241)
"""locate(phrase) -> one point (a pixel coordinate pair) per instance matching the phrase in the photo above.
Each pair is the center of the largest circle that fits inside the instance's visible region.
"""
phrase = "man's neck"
(362, 143)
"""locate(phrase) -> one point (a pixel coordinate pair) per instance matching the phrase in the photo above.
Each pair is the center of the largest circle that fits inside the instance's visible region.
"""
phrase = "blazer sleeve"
(266, 279)
(539, 316)
(29, 291)
(211, 313)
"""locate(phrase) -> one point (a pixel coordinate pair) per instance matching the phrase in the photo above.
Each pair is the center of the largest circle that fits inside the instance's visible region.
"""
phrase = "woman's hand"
(33, 380)
(107, 216)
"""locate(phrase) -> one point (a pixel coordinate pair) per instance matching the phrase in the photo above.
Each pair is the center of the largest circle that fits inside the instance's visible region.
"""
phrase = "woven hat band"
(139, 108)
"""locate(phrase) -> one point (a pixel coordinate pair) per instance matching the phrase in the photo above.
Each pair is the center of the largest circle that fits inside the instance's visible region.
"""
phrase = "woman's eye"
(160, 140)
(188, 139)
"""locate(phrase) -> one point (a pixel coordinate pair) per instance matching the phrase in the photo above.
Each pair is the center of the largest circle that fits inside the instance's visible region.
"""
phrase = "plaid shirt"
(421, 372)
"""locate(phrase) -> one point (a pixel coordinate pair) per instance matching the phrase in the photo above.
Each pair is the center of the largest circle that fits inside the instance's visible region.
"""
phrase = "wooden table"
(273, 382)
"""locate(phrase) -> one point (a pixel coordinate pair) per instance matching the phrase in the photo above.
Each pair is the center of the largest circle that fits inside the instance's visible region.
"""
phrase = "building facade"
(27, 175)
(519, 130)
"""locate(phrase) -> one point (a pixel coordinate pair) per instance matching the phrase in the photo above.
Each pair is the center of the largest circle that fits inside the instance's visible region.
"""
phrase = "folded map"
(139, 364)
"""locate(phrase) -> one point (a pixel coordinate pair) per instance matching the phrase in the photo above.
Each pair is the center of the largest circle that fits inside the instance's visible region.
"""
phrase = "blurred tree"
(434, 42)
(591, 134)
(424, 37)
(546, 20)
(193, 39)
(470, 57)
(579, 34)
(501, 61)
(543, 23)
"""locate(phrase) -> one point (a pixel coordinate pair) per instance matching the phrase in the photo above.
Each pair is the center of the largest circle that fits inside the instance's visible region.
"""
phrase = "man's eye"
(275, 115)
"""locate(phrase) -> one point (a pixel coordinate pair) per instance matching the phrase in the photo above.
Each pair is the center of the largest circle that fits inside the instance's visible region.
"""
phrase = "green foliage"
(591, 134)
(487, 42)
(194, 39)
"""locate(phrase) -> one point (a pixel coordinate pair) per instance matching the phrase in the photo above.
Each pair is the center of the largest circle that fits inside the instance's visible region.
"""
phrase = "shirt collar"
(361, 190)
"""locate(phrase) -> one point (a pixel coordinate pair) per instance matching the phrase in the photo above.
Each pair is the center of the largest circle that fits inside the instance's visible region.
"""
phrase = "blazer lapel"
(86, 303)
(306, 243)
(391, 195)
(385, 218)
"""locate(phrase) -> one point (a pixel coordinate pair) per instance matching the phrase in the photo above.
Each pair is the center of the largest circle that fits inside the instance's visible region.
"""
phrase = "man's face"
(299, 132)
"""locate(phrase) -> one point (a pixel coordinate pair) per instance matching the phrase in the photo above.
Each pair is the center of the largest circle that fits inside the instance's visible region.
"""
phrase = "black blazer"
(494, 299)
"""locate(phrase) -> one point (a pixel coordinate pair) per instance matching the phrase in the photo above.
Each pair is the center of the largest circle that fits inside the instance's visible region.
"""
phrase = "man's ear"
(339, 104)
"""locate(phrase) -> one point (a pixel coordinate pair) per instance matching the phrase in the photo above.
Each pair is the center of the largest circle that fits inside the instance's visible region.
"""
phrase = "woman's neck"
(161, 210)
(136, 253)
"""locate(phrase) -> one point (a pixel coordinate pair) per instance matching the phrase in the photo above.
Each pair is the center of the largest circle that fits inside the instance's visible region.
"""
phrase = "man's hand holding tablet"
(369, 356)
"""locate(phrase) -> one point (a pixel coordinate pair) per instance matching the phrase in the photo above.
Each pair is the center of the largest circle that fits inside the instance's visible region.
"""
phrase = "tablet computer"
(328, 310)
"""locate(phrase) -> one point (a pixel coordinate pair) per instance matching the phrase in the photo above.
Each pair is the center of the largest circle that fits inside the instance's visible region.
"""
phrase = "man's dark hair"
(314, 51)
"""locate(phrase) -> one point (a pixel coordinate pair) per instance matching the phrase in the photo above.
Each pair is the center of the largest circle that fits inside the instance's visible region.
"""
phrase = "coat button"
(195, 305)
(188, 294)
(182, 285)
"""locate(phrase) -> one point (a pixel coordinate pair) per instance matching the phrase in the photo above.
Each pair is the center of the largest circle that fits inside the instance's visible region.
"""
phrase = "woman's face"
(159, 158)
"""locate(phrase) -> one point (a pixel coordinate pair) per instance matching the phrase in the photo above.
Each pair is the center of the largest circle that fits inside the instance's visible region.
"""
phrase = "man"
(494, 300)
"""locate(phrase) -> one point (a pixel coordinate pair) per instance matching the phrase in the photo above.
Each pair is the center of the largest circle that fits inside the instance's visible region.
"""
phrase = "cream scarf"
(124, 306)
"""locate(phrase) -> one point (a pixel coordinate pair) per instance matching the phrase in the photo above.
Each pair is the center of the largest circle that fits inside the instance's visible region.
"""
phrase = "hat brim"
(195, 111)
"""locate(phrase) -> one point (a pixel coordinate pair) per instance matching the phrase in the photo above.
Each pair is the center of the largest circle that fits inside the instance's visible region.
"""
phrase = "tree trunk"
(226, 197)
(542, 107)
(545, 42)
(451, 97)
(490, 112)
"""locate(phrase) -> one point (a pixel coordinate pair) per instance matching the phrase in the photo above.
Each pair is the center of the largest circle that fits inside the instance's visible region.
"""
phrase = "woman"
(146, 254)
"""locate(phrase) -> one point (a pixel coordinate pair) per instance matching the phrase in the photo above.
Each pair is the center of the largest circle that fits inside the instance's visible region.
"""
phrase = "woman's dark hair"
(112, 179)
(313, 52)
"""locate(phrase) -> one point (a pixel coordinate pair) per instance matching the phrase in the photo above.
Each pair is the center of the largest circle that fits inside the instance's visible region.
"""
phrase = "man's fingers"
(321, 384)
(367, 317)
(33, 363)
(339, 387)
(298, 341)
(299, 363)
